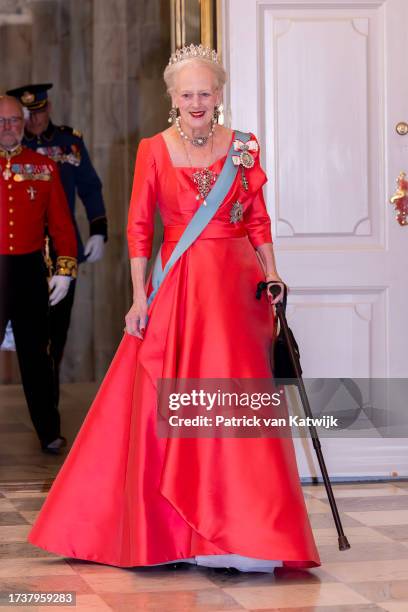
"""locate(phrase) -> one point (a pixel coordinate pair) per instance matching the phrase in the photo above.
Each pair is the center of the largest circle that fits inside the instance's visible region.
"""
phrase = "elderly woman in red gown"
(125, 496)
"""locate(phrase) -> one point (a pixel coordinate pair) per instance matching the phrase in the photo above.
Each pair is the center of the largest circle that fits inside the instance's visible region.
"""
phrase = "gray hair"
(171, 71)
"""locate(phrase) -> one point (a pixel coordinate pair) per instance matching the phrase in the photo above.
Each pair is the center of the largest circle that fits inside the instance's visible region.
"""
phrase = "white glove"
(94, 248)
(59, 286)
(8, 343)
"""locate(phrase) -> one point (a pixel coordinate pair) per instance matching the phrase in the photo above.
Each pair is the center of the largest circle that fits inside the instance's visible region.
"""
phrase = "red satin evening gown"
(126, 497)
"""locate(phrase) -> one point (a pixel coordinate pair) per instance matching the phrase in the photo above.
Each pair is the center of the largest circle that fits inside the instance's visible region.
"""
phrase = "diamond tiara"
(190, 51)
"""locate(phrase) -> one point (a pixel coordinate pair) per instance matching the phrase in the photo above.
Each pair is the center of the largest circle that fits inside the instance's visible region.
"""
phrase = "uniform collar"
(10, 154)
(46, 135)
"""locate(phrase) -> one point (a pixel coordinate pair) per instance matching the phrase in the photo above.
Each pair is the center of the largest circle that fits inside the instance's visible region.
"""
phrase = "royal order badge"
(237, 212)
(245, 149)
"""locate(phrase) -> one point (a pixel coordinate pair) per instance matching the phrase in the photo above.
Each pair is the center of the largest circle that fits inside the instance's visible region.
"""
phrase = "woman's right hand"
(136, 318)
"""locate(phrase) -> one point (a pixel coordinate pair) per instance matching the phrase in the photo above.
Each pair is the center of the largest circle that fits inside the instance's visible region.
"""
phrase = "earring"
(172, 114)
(219, 114)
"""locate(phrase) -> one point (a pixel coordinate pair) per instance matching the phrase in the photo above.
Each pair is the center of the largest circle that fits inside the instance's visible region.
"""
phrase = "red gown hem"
(286, 563)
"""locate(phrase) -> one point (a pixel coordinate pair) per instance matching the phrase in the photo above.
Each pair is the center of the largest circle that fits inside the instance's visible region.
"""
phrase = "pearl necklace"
(197, 141)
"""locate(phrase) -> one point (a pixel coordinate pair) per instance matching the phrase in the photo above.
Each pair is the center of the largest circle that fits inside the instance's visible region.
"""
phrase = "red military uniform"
(31, 196)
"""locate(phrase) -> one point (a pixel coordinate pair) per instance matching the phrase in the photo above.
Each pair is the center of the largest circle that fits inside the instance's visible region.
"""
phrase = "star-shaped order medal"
(237, 212)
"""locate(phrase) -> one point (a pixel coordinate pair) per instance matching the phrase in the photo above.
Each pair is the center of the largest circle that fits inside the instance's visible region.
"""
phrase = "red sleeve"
(257, 221)
(142, 203)
(256, 218)
(59, 218)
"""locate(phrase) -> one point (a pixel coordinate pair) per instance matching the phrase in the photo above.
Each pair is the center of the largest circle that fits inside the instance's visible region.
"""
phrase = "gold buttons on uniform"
(11, 211)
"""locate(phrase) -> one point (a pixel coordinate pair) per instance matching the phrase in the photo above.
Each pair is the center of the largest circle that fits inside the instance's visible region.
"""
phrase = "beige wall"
(105, 58)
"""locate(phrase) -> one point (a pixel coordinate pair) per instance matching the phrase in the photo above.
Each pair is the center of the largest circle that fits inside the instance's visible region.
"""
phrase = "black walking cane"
(275, 289)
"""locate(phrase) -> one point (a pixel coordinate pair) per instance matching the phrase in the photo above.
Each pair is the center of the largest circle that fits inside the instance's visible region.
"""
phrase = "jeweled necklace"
(203, 179)
(197, 141)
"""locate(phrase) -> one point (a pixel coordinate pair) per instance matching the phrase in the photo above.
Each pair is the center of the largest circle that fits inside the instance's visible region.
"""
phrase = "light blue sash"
(201, 218)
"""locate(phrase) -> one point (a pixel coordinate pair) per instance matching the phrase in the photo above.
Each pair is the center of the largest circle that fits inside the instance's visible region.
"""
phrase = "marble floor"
(372, 575)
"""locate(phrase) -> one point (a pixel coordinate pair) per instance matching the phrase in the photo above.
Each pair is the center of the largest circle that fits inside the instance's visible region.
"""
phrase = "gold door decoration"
(195, 21)
(400, 199)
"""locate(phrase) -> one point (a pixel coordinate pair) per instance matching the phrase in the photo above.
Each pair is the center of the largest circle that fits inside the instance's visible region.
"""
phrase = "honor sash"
(201, 218)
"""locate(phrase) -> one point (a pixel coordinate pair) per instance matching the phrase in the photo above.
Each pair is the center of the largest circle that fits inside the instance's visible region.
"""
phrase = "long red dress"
(126, 497)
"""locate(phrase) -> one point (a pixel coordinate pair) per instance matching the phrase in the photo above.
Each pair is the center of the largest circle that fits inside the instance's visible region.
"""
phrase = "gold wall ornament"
(400, 199)
(402, 128)
(195, 21)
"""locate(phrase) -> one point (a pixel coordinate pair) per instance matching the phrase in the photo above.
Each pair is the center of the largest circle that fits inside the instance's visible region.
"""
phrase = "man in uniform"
(65, 146)
(31, 196)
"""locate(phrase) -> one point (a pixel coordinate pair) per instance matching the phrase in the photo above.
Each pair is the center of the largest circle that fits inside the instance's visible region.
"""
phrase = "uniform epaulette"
(70, 130)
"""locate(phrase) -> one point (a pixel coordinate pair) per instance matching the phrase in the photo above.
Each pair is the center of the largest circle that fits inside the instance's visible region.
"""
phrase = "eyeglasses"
(11, 120)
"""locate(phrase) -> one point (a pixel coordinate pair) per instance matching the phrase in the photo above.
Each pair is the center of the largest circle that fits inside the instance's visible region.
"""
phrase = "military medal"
(237, 212)
(7, 171)
(16, 170)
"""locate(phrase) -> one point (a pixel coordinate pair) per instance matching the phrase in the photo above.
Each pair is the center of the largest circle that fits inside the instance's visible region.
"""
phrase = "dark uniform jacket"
(66, 147)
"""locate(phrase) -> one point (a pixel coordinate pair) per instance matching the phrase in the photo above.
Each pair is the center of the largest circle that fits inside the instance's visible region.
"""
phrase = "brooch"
(237, 212)
(204, 181)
